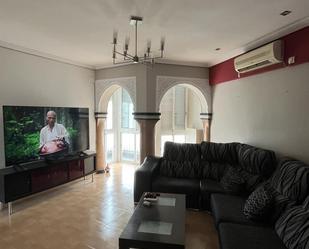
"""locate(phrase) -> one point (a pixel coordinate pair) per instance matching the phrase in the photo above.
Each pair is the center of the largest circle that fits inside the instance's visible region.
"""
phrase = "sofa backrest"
(256, 161)
(216, 158)
(210, 160)
(219, 152)
(291, 179)
(181, 160)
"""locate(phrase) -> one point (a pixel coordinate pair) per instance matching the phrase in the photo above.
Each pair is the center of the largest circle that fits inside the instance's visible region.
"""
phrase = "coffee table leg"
(122, 245)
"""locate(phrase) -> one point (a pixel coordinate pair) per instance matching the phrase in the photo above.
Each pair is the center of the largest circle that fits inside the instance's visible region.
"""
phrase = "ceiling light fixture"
(128, 58)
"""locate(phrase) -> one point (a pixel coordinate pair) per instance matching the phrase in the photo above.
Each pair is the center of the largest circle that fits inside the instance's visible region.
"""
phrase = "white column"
(206, 119)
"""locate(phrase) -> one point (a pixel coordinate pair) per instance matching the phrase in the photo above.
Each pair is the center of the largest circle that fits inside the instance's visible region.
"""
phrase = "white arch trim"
(200, 86)
(106, 87)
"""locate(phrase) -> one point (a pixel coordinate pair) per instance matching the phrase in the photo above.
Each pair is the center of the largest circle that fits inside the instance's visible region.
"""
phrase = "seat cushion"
(229, 208)
(209, 187)
(176, 185)
(238, 236)
(189, 187)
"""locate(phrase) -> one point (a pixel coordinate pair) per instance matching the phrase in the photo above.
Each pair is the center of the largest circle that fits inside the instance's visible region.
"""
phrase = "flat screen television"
(34, 133)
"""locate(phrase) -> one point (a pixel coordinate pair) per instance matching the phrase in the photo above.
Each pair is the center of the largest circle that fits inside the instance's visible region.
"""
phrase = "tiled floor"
(85, 215)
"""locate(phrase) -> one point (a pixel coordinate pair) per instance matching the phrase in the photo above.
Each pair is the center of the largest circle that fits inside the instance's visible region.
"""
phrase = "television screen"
(32, 133)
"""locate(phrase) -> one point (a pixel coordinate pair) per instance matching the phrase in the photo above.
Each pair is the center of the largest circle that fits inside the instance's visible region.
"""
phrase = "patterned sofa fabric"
(256, 161)
(181, 161)
(293, 226)
(216, 158)
(213, 170)
(258, 206)
(203, 162)
(256, 165)
(219, 152)
(291, 179)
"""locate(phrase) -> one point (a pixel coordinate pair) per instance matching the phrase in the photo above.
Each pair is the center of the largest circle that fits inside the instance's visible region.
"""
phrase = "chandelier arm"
(119, 53)
(127, 55)
(127, 58)
(130, 56)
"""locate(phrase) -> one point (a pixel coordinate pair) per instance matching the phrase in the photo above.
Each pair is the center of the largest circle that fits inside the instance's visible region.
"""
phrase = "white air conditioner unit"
(261, 57)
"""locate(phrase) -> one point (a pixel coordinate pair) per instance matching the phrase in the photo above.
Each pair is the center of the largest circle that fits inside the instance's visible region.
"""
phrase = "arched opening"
(180, 121)
(121, 131)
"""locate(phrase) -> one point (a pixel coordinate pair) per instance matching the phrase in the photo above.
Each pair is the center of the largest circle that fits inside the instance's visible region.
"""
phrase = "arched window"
(180, 118)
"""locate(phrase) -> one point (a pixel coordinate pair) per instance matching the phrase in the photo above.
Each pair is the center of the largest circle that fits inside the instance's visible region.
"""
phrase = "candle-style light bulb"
(126, 44)
(125, 50)
(162, 44)
(115, 35)
(148, 47)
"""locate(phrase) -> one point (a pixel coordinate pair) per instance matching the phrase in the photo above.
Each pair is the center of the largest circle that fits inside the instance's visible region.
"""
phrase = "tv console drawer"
(22, 181)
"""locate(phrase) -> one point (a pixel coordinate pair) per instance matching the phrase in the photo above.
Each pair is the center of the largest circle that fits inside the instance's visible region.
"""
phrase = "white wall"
(270, 110)
(32, 80)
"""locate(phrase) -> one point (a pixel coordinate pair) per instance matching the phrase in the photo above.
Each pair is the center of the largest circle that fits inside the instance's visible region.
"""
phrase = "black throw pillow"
(232, 182)
(258, 205)
(293, 226)
(251, 180)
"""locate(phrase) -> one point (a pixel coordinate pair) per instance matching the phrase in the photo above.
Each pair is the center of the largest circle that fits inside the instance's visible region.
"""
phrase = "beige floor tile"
(86, 215)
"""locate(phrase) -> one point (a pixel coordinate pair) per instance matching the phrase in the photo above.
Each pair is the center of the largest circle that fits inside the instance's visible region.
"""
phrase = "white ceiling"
(80, 31)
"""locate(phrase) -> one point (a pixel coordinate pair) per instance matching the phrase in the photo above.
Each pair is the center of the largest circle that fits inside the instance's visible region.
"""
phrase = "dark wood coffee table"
(160, 226)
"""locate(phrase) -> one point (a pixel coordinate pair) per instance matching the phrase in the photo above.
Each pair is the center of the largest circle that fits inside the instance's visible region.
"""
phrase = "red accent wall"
(295, 44)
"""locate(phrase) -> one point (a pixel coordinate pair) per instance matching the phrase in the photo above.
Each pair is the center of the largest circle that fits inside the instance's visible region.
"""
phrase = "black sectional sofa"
(257, 202)
(197, 169)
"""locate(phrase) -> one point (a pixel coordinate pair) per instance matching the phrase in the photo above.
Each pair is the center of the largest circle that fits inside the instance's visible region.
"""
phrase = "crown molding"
(37, 53)
(99, 67)
(182, 63)
(158, 61)
(283, 31)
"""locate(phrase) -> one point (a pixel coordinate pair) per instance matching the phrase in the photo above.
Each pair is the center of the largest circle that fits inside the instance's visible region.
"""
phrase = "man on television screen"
(53, 137)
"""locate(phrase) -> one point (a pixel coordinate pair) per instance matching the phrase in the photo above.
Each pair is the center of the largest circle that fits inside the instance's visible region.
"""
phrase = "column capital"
(100, 115)
(146, 115)
(206, 116)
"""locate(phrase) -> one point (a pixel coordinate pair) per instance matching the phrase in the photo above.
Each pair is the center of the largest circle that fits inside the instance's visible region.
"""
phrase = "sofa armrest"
(144, 175)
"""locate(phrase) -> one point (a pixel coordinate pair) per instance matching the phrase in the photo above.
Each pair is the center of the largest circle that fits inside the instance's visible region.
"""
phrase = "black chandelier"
(128, 58)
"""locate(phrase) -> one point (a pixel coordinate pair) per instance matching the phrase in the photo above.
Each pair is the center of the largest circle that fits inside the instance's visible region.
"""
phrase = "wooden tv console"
(23, 180)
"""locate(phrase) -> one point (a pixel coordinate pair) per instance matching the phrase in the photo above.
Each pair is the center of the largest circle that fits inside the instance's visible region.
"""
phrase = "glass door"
(129, 131)
(122, 132)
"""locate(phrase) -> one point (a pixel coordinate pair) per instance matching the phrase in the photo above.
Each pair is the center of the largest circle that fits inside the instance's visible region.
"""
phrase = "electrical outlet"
(291, 60)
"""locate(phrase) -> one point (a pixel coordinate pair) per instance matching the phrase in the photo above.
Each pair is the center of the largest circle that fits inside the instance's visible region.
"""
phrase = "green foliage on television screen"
(22, 137)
